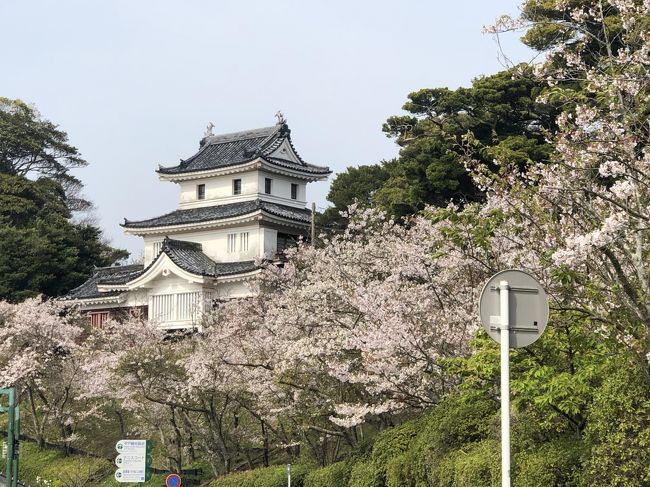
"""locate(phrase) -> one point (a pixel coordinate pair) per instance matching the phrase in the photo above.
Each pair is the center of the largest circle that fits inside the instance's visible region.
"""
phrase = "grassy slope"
(72, 471)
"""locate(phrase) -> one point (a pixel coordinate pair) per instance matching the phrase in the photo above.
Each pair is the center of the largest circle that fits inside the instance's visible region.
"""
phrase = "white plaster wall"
(137, 297)
(281, 189)
(270, 241)
(149, 241)
(227, 290)
(171, 284)
(215, 243)
(218, 189)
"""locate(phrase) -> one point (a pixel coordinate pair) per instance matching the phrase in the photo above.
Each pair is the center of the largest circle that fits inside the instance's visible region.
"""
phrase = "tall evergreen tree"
(500, 114)
(42, 251)
(30, 145)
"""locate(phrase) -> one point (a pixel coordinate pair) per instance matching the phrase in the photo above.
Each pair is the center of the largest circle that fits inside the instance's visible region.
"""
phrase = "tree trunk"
(38, 428)
(265, 435)
(178, 442)
(187, 426)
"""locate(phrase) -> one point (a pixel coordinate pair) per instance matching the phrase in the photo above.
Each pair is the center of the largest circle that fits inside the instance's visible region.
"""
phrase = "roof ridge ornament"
(208, 130)
(281, 119)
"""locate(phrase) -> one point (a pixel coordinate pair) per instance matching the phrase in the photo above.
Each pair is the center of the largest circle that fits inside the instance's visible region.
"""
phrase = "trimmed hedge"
(265, 477)
(365, 474)
(335, 475)
(399, 471)
(478, 464)
(553, 463)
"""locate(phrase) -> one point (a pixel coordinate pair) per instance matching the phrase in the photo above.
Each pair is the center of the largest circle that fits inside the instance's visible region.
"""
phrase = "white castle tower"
(242, 201)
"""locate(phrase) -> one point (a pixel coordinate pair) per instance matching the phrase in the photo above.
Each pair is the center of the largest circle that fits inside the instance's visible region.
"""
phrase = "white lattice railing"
(179, 307)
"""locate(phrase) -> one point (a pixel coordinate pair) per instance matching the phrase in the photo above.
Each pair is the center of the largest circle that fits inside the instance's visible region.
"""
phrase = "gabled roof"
(189, 257)
(226, 150)
(220, 212)
(102, 275)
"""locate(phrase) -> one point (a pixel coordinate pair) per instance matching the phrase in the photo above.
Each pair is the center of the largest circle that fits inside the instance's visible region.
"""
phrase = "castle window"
(232, 243)
(243, 242)
(157, 247)
(200, 191)
(97, 319)
(294, 191)
(236, 186)
(267, 185)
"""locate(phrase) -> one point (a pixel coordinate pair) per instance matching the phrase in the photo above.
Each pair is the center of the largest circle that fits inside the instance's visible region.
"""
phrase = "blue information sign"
(173, 480)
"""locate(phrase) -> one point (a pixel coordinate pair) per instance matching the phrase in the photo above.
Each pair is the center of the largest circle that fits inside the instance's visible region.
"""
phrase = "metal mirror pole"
(16, 447)
(505, 383)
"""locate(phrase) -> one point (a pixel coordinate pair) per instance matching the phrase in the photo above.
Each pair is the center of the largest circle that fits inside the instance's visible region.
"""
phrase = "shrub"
(457, 422)
(365, 474)
(619, 428)
(553, 463)
(395, 441)
(335, 475)
(265, 477)
(477, 464)
(399, 472)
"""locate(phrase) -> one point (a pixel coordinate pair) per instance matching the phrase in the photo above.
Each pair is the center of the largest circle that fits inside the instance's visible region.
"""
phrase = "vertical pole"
(17, 448)
(10, 436)
(288, 475)
(505, 383)
(313, 224)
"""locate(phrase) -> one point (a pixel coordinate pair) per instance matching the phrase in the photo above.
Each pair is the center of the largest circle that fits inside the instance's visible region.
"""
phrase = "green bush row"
(265, 477)
(455, 445)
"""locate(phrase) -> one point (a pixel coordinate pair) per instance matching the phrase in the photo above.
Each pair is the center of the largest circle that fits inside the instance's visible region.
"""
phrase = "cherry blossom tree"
(356, 330)
(40, 356)
(585, 217)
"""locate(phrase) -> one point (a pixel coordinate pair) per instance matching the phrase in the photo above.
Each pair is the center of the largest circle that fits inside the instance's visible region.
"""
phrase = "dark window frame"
(268, 185)
(294, 191)
(200, 191)
(236, 186)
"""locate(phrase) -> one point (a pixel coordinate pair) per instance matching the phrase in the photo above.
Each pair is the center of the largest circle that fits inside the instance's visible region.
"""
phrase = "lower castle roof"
(186, 255)
(220, 212)
(104, 275)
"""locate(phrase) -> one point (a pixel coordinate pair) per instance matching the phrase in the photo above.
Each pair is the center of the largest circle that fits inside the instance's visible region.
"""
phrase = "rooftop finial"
(208, 130)
(280, 117)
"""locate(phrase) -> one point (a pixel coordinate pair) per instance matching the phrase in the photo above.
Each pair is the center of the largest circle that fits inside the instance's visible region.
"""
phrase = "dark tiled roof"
(102, 275)
(220, 212)
(189, 257)
(240, 147)
(186, 255)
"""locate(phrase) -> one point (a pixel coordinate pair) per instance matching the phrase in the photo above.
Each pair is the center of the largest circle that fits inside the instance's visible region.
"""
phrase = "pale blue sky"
(134, 83)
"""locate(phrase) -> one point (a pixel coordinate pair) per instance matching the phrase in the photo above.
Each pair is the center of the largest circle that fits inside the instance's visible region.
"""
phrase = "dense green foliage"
(42, 250)
(549, 27)
(499, 112)
(266, 477)
(329, 476)
(599, 437)
(356, 184)
(32, 145)
(52, 468)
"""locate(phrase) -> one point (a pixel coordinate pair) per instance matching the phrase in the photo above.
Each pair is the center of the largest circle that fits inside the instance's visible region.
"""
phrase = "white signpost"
(131, 461)
(514, 311)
